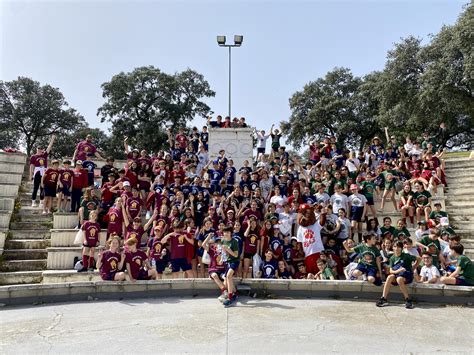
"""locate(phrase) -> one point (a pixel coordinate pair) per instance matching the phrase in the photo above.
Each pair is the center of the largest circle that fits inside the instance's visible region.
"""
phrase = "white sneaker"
(33, 204)
(223, 297)
(148, 215)
(41, 205)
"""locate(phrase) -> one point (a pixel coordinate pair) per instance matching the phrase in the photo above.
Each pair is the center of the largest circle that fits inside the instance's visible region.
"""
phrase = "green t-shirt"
(467, 268)
(433, 248)
(437, 215)
(389, 184)
(401, 233)
(367, 255)
(327, 274)
(404, 260)
(234, 246)
(422, 198)
(390, 230)
(368, 188)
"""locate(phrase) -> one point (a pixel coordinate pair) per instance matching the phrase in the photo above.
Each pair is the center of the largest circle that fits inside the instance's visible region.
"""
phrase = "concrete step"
(468, 179)
(462, 204)
(21, 277)
(10, 178)
(62, 258)
(22, 265)
(458, 197)
(9, 190)
(28, 210)
(29, 234)
(36, 218)
(63, 220)
(46, 226)
(461, 163)
(65, 237)
(12, 167)
(27, 243)
(456, 190)
(464, 225)
(18, 158)
(468, 243)
(7, 203)
(24, 254)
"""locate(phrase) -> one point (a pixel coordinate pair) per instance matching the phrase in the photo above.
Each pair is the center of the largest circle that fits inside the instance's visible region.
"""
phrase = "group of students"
(200, 215)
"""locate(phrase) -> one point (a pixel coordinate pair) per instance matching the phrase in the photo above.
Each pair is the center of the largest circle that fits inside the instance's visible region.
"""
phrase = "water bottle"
(153, 263)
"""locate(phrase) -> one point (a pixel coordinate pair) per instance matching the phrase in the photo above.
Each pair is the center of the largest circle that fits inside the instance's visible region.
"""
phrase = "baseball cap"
(354, 186)
(126, 183)
(79, 162)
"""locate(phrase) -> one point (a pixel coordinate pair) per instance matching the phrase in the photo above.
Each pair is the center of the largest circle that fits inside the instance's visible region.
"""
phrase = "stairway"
(24, 256)
(460, 200)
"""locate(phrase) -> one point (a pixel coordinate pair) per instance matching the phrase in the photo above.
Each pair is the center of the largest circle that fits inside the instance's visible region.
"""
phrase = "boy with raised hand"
(464, 273)
(230, 255)
(370, 261)
(401, 274)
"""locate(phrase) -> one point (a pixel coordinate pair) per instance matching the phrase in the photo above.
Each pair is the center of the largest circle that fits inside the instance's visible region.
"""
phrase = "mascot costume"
(309, 235)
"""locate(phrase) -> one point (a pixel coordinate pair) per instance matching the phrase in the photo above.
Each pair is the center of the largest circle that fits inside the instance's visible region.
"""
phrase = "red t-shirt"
(134, 205)
(39, 160)
(65, 177)
(156, 249)
(182, 141)
(80, 179)
(110, 262)
(91, 231)
(135, 233)
(107, 195)
(178, 246)
(136, 260)
(115, 220)
(84, 149)
(51, 177)
(250, 242)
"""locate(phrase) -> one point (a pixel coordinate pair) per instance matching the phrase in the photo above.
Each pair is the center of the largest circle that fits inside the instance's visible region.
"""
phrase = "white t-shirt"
(352, 164)
(357, 200)
(427, 273)
(338, 201)
(278, 201)
(285, 221)
(310, 238)
(261, 140)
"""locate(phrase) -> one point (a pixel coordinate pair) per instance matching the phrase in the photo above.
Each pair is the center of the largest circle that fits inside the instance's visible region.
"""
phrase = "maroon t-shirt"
(250, 243)
(110, 262)
(156, 249)
(115, 220)
(182, 141)
(134, 233)
(178, 245)
(136, 260)
(84, 149)
(91, 231)
(51, 177)
(133, 205)
(39, 160)
(65, 177)
(216, 264)
(248, 213)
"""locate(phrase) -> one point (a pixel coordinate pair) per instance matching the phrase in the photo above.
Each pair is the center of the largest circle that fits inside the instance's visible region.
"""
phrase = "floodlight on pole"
(238, 40)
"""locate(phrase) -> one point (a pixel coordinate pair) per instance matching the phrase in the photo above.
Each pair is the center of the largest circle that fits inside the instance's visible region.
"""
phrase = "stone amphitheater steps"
(25, 254)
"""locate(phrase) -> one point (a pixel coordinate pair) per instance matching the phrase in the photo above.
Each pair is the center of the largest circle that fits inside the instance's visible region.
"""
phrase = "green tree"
(30, 111)
(328, 106)
(143, 103)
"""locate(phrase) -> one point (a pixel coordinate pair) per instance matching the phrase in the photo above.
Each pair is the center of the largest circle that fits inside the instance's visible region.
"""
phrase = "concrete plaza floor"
(203, 325)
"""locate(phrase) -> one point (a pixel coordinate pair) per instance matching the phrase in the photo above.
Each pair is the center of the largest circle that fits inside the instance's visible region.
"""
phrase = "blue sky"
(78, 45)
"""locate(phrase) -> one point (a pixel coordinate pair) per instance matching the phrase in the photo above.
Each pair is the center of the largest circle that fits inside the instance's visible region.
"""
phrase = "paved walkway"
(202, 325)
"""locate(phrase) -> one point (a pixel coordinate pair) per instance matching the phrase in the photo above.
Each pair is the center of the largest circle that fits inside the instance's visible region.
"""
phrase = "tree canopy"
(143, 103)
(30, 111)
(420, 87)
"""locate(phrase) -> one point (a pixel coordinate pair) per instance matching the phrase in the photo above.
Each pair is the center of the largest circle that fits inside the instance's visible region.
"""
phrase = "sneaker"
(382, 302)
(82, 270)
(234, 296)
(223, 297)
(41, 205)
(91, 269)
(228, 303)
(148, 215)
(34, 204)
(408, 304)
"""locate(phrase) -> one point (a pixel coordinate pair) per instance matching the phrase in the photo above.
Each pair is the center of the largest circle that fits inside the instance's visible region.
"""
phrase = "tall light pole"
(238, 39)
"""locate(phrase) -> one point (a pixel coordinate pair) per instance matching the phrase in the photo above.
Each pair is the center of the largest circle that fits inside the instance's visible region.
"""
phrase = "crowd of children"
(200, 215)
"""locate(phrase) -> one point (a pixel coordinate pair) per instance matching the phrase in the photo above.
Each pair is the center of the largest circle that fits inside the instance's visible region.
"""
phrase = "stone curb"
(108, 290)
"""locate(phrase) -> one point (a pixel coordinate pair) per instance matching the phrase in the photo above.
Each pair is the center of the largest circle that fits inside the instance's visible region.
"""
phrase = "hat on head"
(126, 183)
(354, 186)
(79, 162)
